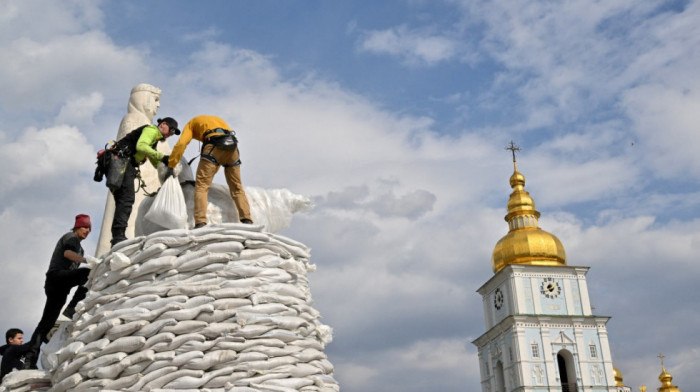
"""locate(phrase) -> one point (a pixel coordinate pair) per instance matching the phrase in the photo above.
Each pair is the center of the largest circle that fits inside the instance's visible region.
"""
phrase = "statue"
(143, 105)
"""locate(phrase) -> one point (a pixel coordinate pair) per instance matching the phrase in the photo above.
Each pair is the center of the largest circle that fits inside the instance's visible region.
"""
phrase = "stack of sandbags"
(26, 380)
(223, 307)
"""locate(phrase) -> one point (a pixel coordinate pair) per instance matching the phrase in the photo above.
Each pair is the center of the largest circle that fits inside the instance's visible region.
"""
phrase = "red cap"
(82, 220)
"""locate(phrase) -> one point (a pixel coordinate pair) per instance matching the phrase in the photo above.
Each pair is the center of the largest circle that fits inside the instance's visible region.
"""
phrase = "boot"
(32, 356)
(69, 312)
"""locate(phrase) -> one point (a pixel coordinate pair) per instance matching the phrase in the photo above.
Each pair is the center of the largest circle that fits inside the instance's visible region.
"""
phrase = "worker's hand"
(92, 262)
(165, 159)
(169, 172)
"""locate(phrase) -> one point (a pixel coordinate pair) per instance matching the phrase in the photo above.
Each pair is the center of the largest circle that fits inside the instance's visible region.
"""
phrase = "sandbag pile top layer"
(220, 308)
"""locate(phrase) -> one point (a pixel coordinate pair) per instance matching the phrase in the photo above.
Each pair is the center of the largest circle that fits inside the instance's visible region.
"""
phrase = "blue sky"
(392, 116)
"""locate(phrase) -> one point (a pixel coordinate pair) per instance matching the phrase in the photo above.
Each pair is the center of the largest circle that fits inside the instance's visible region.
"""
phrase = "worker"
(63, 274)
(14, 352)
(138, 145)
(219, 148)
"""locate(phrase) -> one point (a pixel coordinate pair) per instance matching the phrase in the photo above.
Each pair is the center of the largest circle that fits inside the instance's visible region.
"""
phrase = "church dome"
(525, 242)
(666, 379)
(618, 377)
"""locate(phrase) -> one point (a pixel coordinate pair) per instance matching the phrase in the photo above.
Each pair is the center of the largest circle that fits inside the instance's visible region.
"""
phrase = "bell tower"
(541, 334)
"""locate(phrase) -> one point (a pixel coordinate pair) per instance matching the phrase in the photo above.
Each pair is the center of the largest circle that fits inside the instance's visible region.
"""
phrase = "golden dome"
(525, 242)
(618, 377)
(666, 379)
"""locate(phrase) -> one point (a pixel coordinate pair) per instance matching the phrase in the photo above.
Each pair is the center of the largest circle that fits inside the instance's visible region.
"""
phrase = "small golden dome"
(666, 378)
(525, 242)
(618, 377)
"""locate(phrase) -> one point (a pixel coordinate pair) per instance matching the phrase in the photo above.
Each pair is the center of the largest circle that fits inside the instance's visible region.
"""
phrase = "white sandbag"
(232, 292)
(253, 331)
(297, 370)
(183, 358)
(180, 340)
(128, 246)
(230, 303)
(119, 261)
(219, 329)
(309, 354)
(275, 351)
(285, 336)
(210, 359)
(219, 315)
(185, 326)
(169, 208)
(144, 355)
(197, 263)
(296, 251)
(165, 379)
(157, 304)
(254, 254)
(118, 331)
(242, 283)
(188, 314)
(67, 352)
(66, 369)
(148, 253)
(192, 291)
(266, 298)
(260, 379)
(135, 368)
(96, 331)
(223, 247)
(275, 275)
(123, 382)
(285, 289)
(164, 337)
(171, 238)
(186, 382)
(160, 290)
(155, 327)
(15, 379)
(67, 383)
(266, 387)
(125, 344)
(150, 377)
(268, 309)
(90, 385)
(110, 371)
(102, 360)
(155, 265)
(198, 346)
(49, 358)
(308, 343)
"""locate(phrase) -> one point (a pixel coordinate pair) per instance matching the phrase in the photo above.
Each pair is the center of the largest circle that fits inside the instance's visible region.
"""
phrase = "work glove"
(165, 159)
(169, 172)
(92, 262)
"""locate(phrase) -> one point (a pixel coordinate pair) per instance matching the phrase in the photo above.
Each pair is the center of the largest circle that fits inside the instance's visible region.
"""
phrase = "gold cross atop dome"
(525, 242)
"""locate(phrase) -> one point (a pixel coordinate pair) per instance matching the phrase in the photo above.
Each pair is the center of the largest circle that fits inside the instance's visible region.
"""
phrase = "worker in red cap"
(63, 274)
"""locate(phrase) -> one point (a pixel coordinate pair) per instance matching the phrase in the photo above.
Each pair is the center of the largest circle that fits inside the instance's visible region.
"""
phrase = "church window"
(510, 353)
(593, 350)
(535, 350)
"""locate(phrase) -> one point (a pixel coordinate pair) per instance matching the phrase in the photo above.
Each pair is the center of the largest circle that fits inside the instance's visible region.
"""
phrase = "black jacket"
(12, 357)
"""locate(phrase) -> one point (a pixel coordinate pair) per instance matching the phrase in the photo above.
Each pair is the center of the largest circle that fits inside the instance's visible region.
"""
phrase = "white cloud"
(413, 47)
(80, 110)
(37, 155)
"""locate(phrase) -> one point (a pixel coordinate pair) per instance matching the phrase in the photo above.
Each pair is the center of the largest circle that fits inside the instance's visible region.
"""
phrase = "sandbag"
(169, 208)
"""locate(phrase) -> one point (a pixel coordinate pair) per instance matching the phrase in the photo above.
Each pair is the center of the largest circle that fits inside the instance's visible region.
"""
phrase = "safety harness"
(222, 138)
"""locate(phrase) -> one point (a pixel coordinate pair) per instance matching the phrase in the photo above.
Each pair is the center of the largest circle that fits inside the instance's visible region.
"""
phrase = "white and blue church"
(541, 334)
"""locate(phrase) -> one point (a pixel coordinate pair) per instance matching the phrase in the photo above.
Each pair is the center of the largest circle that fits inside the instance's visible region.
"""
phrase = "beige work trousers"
(205, 175)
